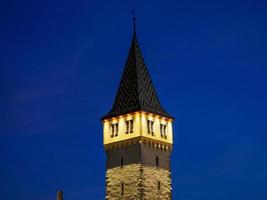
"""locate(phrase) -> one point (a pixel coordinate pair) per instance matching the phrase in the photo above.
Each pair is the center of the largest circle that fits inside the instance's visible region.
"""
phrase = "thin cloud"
(35, 94)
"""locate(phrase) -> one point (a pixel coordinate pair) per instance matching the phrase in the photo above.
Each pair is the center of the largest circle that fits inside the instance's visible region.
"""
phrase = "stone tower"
(60, 195)
(137, 137)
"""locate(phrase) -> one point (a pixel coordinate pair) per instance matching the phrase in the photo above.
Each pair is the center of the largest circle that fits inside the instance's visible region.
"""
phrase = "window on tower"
(163, 132)
(129, 126)
(159, 185)
(150, 128)
(114, 129)
(157, 161)
(122, 188)
(122, 162)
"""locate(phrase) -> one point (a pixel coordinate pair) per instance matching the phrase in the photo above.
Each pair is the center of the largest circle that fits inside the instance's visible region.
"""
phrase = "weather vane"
(134, 18)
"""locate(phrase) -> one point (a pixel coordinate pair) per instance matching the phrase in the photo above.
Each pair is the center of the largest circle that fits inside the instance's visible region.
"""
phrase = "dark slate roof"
(136, 91)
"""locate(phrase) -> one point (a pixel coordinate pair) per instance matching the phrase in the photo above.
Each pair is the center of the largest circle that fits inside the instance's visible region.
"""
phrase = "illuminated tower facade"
(138, 138)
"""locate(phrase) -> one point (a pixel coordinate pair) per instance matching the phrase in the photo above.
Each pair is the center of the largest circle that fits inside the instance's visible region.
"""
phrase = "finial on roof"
(134, 20)
(136, 91)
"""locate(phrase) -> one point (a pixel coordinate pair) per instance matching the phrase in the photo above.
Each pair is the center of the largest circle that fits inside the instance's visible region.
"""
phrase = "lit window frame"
(129, 126)
(114, 129)
(163, 130)
(150, 127)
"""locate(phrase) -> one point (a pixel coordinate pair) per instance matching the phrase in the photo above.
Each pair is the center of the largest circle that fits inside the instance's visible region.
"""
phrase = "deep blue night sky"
(60, 66)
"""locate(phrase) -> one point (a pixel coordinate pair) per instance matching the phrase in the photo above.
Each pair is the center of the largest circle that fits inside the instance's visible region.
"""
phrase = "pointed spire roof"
(136, 91)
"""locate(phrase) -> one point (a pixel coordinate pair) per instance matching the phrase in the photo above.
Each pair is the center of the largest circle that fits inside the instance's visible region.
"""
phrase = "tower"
(60, 195)
(137, 136)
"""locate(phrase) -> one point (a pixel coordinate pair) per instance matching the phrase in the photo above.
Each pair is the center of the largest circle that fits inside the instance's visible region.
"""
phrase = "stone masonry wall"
(130, 175)
(139, 183)
(151, 177)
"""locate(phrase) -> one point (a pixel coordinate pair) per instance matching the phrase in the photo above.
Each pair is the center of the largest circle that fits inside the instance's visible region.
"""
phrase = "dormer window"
(114, 129)
(150, 129)
(163, 132)
(129, 126)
